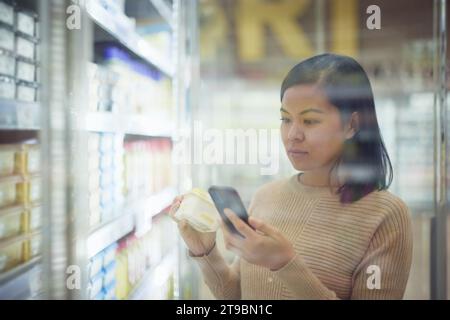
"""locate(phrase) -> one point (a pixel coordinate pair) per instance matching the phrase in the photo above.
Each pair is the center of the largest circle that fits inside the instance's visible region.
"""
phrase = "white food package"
(198, 209)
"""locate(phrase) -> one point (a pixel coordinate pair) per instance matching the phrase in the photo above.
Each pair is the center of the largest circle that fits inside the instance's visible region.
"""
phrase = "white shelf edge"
(118, 227)
(129, 38)
(19, 283)
(145, 283)
(164, 11)
(131, 124)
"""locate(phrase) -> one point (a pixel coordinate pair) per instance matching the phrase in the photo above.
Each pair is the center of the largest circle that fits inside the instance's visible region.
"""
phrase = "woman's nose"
(296, 132)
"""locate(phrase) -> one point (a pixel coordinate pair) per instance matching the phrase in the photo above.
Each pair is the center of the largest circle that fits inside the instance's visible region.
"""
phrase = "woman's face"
(311, 128)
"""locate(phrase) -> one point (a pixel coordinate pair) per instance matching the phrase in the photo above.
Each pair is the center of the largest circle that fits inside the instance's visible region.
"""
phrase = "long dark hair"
(364, 159)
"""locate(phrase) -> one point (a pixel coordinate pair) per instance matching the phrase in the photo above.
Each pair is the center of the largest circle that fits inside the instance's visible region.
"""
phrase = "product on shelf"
(7, 159)
(198, 209)
(29, 191)
(140, 89)
(11, 254)
(11, 223)
(27, 159)
(7, 63)
(105, 159)
(34, 218)
(26, 23)
(33, 246)
(102, 274)
(147, 167)
(7, 87)
(26, 71)
(6, 13)
(9, 192)
(6, 38)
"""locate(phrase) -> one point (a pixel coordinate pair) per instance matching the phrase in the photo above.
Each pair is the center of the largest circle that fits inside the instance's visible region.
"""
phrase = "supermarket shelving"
(22, 281)
(161, 272)
(16, 115)
(128, 124)
(164, 11)
(125, 222)
(120, 29)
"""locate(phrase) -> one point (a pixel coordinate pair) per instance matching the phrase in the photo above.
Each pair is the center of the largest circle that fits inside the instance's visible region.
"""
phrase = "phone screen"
(228, 197)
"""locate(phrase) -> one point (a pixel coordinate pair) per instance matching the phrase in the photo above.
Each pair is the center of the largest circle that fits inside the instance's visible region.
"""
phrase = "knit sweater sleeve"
(382, 272)
(222, 279)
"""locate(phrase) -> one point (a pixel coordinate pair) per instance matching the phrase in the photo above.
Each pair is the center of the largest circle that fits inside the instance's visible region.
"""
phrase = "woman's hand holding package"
(265, 246)
(199, 243)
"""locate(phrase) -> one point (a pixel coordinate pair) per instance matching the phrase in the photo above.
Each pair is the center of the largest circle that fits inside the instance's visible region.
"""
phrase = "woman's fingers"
(175, 205)
(240, 225)
(230, 239)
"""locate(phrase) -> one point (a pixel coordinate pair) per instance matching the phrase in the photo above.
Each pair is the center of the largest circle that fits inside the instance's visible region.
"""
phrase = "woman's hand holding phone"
(199, 243)
(264, 245)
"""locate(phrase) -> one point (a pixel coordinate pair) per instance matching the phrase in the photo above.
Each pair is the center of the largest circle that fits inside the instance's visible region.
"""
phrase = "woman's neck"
(318, 178)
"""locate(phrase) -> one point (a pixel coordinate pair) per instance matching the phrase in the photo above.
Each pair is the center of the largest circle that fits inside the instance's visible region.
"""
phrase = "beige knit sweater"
(336, 247)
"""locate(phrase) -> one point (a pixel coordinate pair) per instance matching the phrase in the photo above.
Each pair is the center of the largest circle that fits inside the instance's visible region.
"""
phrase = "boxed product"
(25, 71)
(7, 156)
(6, 38)
(95, 265)
(35, 246)
(26, 22)
(93, 142)
(110, 291)
(27, 91)
(6, 13)
(11, 254)
(10, 223)
(109, 254)
(8, 192)
(7, 63)
(29, 191)
(109, 274)
(95, 285)
(35, 218)
(26, 47)
(7, 87)
(27, 159)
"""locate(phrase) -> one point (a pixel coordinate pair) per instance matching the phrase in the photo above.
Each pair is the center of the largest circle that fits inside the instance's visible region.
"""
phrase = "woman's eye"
(285, 120)
(310, 121)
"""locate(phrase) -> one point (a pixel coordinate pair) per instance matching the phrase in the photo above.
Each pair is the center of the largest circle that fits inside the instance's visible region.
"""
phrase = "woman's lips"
(297, 154)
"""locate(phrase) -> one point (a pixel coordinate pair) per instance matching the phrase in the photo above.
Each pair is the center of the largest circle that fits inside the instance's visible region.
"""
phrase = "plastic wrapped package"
(11, 223)
(199, 210)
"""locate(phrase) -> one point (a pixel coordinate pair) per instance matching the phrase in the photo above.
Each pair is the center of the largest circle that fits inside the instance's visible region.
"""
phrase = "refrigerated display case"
(91, 93)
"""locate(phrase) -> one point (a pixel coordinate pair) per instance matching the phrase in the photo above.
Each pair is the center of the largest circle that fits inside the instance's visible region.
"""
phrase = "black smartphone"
(228, 197)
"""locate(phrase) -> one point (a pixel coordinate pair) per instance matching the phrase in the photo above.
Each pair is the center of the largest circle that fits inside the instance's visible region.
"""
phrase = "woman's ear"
(352, 125)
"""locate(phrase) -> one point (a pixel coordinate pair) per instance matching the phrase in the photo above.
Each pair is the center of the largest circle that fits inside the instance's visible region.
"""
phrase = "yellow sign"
(284, 19)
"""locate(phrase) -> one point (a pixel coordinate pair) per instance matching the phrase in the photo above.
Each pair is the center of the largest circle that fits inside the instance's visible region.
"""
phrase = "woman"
(332, 231)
